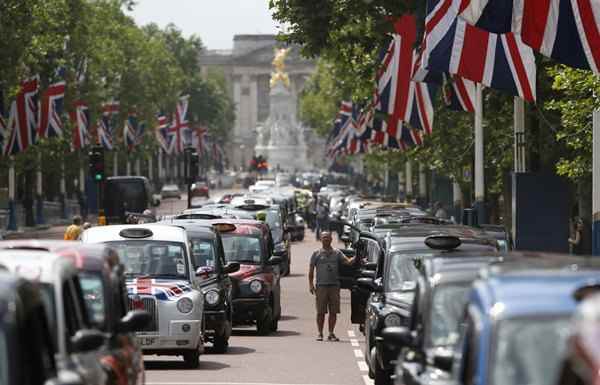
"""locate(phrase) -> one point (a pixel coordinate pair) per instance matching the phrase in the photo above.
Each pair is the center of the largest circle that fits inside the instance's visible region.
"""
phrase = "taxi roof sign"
(224, 227)
(136, 233)
(443, 242)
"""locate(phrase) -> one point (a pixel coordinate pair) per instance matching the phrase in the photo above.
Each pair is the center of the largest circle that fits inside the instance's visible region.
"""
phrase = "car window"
(93, 294)
(273, 219)
(240, 248)
(160, 259)
(203, 253)
(373, 250)
(446, 308)
(401, 272)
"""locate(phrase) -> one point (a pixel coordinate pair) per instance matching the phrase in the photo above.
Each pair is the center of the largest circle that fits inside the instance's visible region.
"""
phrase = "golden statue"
(279, 64)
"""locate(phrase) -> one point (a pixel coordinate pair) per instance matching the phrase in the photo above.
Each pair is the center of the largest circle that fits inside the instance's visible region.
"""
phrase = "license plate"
(146, 341)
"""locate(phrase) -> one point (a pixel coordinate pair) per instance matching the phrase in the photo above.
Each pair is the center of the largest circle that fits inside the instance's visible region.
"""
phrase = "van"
(127, 194)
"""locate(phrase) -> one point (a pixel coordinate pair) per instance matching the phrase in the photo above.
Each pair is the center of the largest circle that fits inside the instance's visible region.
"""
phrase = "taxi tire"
(220, 344)
(264, 325)
(192, 359)
(382, 377)
(275, 324)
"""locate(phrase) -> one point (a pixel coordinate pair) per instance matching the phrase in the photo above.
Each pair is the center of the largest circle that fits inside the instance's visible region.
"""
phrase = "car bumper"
(214, 321)
(174, 339)
(386, 354)
(248, 308)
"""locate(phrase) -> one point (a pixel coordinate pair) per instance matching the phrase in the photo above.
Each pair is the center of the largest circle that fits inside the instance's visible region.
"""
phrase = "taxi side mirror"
(367, 274)
(274, 261)
(133, 321)
(369, 284)
(231, 267)
(398, 335)
(443, 362)
(86, 340)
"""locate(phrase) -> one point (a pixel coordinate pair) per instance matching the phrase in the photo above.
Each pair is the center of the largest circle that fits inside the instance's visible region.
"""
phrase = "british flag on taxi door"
(164, 290)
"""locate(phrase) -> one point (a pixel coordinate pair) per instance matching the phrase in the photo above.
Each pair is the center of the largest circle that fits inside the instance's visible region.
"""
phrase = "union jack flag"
(199, 140)
(459, 94)
(52, 108)
(162, 136)
(179, 125)
(22, 124)
(130, 130)
(163, 290)
(105, 137)
(81, 125)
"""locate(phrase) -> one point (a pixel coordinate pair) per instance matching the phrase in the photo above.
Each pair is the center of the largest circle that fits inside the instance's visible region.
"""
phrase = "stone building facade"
(247, 68)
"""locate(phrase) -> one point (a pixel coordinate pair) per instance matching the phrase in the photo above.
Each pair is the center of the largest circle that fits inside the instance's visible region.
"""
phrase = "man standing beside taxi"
(326, 262)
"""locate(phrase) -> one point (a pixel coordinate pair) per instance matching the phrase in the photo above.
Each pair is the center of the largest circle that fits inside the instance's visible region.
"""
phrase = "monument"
(281, 139)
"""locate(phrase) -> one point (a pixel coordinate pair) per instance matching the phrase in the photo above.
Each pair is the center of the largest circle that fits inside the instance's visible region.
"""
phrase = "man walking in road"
(326, 262)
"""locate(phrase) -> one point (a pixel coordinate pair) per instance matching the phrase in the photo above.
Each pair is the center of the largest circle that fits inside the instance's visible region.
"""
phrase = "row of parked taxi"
(441, 303)
(86, 312)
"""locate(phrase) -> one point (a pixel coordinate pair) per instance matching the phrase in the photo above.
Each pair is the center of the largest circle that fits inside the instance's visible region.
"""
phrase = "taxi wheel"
(275, 325)
(220, 344)
(192, 359)
(264, 325)
(382, 377)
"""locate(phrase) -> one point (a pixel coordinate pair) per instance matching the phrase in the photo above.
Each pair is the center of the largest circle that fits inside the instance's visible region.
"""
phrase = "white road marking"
(358, 353)
(362, 366)
(351, 333)
(367, 380)
(354, 342)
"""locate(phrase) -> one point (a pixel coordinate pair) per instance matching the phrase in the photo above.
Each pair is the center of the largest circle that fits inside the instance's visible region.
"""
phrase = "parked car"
(170, 191)
(78, 345)
(102, 280)
(297, 227)
(161, 280)
(212, 270)
(440, 298)
(394, 288)
(257, 294)
(26, 342)
(262, 185)
(200, 189)
(516, 326)
(127, 194)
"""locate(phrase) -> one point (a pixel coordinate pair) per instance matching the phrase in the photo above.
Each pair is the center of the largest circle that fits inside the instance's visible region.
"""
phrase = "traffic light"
(191, 161)
(96, 163)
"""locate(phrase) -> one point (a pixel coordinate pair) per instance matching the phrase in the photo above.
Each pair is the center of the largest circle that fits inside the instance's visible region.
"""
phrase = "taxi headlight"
(212, 297)
(392, 319)
(256, 286)
(185, 305)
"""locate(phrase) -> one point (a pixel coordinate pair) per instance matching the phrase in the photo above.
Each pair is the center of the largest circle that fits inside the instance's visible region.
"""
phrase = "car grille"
(149, 305)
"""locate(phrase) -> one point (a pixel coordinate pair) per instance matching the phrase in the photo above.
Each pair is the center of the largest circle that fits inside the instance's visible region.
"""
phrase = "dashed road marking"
(358, 353)
(351, 333)
(354, 342)
(362, 366)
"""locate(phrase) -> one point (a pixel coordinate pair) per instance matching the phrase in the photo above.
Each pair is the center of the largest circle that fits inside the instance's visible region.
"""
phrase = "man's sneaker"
(333, 338)
(320, 337)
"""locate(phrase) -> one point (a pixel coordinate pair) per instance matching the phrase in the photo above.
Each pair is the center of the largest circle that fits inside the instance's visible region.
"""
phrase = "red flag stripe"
(590, 27)
(474, 53)
(519, 67)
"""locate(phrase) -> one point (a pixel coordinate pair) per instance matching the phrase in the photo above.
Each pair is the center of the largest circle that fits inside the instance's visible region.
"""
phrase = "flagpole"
(519, 132)
(138, 167)
(160, 166)
(128, 168)
(479, 160)
(115, 162)
(409, 180)
(39, 209)
(595, 184)
(150, 170)
(12, 207)
(63, 190)
(401, 191)
(422, 185)
(457, 201)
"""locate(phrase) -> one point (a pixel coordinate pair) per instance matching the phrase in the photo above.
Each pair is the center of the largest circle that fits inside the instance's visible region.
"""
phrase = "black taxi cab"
(102, 280)
(212, 270)
(257, 289)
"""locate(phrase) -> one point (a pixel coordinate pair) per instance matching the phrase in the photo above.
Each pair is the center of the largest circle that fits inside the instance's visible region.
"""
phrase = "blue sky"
(215, 21)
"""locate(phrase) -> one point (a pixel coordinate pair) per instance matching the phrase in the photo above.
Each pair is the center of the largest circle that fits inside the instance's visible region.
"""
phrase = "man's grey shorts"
(328, 299)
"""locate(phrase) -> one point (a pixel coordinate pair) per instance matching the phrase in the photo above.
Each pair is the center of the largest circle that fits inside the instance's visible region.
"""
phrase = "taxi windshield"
(203, 253)
(93, 293)
(242, 248)
(528, 350)
(273, 219)
(446, 309)
(160, 259)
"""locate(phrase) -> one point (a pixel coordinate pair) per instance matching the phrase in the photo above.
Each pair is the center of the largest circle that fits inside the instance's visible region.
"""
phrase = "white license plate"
(146, 341)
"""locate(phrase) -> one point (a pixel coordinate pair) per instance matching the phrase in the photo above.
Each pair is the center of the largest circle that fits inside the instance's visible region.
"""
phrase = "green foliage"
(577, 99)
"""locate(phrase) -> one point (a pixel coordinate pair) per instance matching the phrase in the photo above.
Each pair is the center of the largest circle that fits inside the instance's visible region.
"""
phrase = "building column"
(596, 184)
(115, 163)
(138, 167)
(401, 185)
(63, 190)
(457, 201)
(409, 181)
(150, 169)
(422, 185)
(161, 172)
(479, 158)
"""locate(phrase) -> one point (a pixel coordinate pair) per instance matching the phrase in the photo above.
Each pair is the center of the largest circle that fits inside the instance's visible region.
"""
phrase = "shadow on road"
(288, 318)
(292, 275)
(253, 333)
(180, 365)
